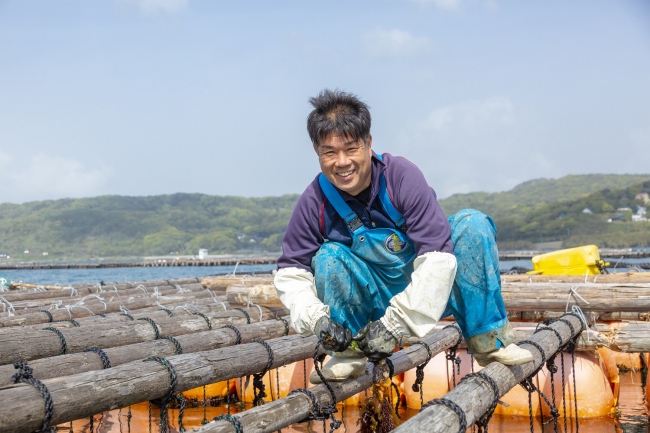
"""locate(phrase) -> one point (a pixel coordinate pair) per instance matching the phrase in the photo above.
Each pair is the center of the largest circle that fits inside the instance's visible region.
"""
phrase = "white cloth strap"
(297, 292)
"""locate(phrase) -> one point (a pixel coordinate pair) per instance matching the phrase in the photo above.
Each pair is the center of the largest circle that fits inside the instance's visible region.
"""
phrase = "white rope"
(180, 289)
(141, 287)
(73, 292)
(573, 290)
(250, 304)
(123, 309)
(155, 291)
(184, 308)
(8, 305)
(56, 305)
(216, 301)
(116, 292)
(92, 296)
(578, 312)
(234, 271)
(4, 285)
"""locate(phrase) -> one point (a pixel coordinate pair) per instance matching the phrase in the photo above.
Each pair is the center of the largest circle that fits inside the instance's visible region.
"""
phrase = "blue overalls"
(358, 282)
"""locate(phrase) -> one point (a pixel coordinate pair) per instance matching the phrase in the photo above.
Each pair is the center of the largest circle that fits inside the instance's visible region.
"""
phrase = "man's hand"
(375, 341)
(335, 336)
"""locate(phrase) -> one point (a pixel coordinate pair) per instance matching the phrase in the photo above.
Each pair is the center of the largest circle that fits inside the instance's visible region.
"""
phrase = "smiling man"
(369, 255)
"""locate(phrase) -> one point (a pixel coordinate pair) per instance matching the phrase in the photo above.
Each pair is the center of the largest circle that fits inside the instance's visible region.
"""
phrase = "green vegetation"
(114, 226)
(111, 226)
(528, 214)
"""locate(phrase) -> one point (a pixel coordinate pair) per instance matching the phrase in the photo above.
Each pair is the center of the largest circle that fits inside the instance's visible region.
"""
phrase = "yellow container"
(572, 261)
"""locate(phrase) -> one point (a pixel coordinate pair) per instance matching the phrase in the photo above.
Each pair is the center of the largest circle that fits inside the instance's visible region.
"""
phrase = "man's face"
(346, 162)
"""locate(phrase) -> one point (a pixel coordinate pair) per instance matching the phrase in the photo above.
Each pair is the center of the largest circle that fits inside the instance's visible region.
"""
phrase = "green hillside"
(527, 196)
(135, 226)
(113, 226)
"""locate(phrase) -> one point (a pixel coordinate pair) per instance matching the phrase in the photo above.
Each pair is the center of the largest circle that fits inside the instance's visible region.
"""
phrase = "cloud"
(465, 146)
(448, 5)
(45, 177)
(454, 5)
(156, 7)
(394, 43)
(471, 115)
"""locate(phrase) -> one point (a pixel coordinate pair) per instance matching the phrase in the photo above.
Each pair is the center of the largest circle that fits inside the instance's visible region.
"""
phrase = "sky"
(147, 97)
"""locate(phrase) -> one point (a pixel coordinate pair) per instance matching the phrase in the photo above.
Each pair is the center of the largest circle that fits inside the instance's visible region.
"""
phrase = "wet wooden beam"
(295, 408)
(30, 344)
(474, 395)
(66, 365)
(85, 394)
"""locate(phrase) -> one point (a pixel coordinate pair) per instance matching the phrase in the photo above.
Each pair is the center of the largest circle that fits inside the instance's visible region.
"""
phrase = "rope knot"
(24, 371)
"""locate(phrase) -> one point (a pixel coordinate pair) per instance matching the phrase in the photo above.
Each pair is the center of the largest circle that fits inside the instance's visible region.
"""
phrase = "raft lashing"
(162, 354)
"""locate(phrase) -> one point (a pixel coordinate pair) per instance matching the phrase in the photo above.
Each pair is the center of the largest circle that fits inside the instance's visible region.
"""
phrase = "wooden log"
(260, 294)
(590, 297)
(85, 394)
(66, 365)
(615, 278)
(27, 305)
(131, 303)
(221, 282)
(29, 344)
(529, 296)
(205, 306)
(295, 408)
(474, 395)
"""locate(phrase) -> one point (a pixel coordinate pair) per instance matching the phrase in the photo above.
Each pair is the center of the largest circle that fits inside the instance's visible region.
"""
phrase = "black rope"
(152, 323)
(248, 318)
(64, 345)
(482, 422)
(286, 325)
(391, 368)
(419, 372)
(259, 389)
(177, 345)
(170, 394)
(450, 353)
(204, 318)
(49, 316)
(232, 420)
(238, 341)
(74, 322)
(181, 412)
(453, 406)
(102, 355)
(127, 315)
(169, 312)
(318, 412)
(24, 375)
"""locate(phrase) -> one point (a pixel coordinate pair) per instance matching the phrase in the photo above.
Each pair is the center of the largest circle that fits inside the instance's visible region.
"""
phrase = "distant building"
(640, 214)
(623, 209)
(587, 210)
(643, 196)
(203, 253)
(617, 217)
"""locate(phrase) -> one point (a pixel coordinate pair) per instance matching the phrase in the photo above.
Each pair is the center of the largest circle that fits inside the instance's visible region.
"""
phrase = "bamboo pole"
(29, 344)
(65, 365)
(474, 395)
(89, 393)
(295, 408)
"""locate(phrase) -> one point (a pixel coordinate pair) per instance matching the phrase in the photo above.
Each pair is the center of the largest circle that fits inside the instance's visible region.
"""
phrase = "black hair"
(338, 112)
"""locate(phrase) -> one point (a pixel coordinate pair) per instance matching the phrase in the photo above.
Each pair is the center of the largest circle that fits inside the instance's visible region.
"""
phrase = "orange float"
(213, 390)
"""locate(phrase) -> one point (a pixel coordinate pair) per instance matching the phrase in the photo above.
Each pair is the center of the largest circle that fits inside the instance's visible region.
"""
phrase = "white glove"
(417, 309)
(297, 292)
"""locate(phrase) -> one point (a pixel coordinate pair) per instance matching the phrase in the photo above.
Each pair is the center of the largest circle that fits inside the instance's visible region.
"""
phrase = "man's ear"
(316, 148)
(369, 144)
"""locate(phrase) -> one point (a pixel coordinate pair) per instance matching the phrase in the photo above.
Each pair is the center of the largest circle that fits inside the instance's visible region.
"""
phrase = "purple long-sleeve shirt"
(315, 220)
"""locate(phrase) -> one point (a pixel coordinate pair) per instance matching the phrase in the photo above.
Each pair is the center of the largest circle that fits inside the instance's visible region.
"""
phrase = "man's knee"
(332, 257)
(470, 225)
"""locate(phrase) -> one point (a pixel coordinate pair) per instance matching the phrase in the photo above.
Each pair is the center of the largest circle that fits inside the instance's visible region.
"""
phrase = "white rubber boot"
(510, 355)
(349, 364)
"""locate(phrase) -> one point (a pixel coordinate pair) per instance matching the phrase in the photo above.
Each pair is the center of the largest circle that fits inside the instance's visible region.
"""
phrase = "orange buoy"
(213, 390)
(593, 391)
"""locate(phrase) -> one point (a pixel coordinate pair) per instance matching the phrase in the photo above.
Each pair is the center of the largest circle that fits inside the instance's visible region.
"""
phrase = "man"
(369, 253)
